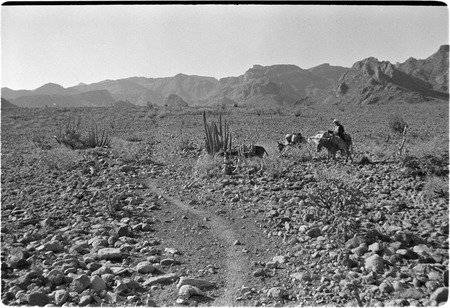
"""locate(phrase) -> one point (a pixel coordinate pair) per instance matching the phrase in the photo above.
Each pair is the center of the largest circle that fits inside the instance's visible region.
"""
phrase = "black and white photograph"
(201, 154)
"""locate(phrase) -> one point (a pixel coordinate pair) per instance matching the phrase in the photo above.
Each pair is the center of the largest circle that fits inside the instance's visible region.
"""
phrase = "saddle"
(347, 138)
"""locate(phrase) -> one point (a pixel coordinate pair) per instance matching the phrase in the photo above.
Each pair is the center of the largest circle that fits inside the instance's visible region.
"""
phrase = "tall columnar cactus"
(216, 138)
(95, 140)
(71, 137)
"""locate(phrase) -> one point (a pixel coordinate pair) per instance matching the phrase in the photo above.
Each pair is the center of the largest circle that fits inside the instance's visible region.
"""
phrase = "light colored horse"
(334, 143)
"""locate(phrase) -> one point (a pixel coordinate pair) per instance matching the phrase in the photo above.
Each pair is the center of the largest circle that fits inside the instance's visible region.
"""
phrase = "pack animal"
(291, 140)
(246, 151)
(315, 139)
(252, 150)
(333, 144)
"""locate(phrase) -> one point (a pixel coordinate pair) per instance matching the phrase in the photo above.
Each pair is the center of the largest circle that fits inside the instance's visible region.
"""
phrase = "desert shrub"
(163, 114)
(278, 110)
(364, 160)
(41, 142)
(152, 113)
(434, 145)
(208, 166)
(273, 166)
(131, 151)
(426, 165)
(397, 124)
(435, 186)
(133, 137)
(303, 153)
(338, 204)
(184, 143)
(11, 160)
(59, 159)
(334, 173)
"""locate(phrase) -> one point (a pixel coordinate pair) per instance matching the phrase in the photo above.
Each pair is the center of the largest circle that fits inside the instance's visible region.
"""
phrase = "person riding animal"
(338, 129)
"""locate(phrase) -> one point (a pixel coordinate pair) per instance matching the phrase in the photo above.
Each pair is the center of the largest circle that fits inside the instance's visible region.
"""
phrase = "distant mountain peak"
(444, 48)
(50, 89)
(50, 85)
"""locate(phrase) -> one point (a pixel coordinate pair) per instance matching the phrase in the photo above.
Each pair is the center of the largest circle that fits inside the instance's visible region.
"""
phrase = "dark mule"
(334, 144)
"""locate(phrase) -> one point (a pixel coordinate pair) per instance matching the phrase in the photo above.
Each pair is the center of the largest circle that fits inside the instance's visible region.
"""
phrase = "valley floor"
(131, 224)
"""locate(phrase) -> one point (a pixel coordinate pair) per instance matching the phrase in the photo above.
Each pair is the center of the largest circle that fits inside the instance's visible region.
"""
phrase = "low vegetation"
(70, 135)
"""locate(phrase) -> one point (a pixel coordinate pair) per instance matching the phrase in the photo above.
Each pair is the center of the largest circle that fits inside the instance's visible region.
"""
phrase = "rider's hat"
(336, 121)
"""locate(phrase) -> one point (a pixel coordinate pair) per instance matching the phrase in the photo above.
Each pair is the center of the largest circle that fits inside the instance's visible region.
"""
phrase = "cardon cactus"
(216, 138)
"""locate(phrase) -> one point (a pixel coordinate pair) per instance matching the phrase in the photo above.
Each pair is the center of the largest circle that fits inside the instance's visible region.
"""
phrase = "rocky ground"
(158, 234)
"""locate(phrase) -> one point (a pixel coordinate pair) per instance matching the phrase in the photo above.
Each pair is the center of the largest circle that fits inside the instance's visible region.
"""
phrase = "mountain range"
(368, 81)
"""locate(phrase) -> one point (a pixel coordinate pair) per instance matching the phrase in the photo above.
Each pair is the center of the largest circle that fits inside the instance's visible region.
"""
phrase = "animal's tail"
(266, 152)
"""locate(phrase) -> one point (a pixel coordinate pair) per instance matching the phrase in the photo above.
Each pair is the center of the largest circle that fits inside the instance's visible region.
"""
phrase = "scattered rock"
(38, 299)
(186, 291)
(61, 297)
(80, 283)
(145, 267)
(200, 283)
(277, 292)
(440, 295)
(109, 253)
(161, 279)
(375, 263)
(314, 232)
(97, 284)
(54, 246)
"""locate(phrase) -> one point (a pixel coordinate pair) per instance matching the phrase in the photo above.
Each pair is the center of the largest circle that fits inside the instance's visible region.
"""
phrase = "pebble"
(314, 232)
(412, 293)
(161, 279)
(260, 272)
(85, 300)
(80, 283)
(386, 287)
(97, 284)
(61, 297)
(38, 299)
(54, 246)
(109, 253)
(186, 291)
(200, 283)
(277, 292)
(375, 263)
(167, 261)
(145, 267)
(302, 276)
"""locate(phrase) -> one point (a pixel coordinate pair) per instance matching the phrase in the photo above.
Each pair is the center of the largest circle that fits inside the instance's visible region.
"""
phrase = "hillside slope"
(370, 81)
(433, 70)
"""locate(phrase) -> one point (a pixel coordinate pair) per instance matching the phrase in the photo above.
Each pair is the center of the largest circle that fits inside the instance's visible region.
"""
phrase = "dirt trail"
(236, 263)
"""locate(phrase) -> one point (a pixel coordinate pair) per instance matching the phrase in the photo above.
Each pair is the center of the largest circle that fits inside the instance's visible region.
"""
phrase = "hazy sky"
(72, 44)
